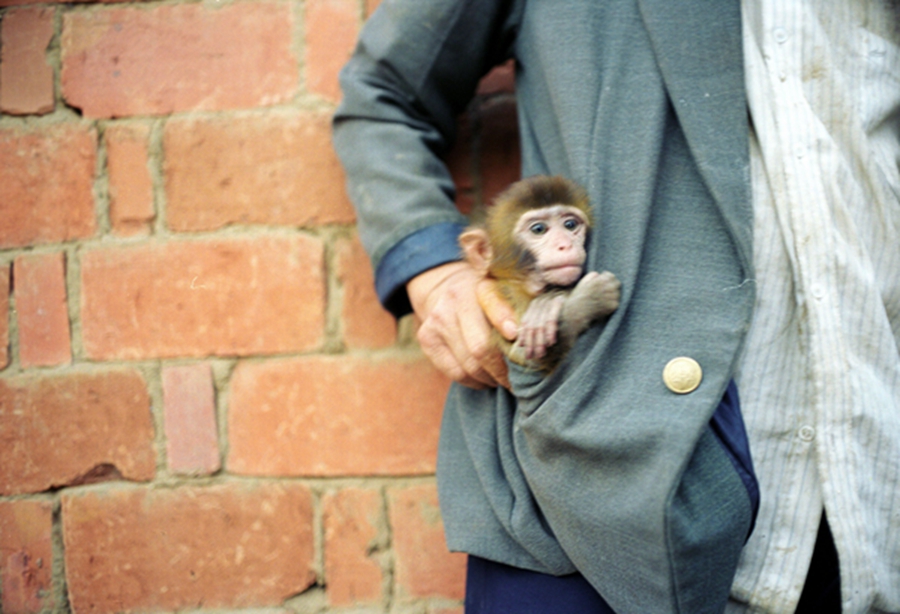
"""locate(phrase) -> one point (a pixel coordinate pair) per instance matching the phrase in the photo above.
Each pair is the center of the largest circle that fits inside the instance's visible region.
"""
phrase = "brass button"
(682, 375)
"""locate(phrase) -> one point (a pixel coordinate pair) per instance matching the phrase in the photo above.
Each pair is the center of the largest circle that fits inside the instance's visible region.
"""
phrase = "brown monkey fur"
(532, 243)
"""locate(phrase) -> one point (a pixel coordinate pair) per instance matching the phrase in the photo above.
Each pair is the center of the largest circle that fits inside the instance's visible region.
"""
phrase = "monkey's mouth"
(563, 275)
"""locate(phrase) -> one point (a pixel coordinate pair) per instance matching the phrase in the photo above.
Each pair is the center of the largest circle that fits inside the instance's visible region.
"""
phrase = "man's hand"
(456, 306)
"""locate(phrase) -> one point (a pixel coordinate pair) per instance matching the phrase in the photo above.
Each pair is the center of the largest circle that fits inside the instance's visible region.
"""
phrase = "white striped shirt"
(820, 376)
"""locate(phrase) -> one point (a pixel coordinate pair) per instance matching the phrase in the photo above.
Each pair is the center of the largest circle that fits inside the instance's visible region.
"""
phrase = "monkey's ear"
(476, 248)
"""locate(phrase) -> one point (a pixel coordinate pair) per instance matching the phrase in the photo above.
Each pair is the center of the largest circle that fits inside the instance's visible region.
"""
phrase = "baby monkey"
(533, 244)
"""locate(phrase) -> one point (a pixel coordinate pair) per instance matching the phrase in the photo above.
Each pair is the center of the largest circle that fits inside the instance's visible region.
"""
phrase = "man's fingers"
(496, 309)
(442, 339)
(496, 366)
(445, 360)
(455, 331)
(481, 348)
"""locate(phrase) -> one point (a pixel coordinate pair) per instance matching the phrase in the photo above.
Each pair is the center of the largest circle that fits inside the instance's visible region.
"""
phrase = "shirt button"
(807, 433)
(799, 150)
(818, 291)
(781, 35)
(682, 375)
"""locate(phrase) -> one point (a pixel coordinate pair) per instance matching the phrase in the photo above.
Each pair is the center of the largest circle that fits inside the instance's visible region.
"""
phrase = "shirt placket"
(803, 206)
(814, 200)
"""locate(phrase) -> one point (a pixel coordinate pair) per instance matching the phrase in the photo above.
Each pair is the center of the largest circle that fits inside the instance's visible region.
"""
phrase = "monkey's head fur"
(509, 258)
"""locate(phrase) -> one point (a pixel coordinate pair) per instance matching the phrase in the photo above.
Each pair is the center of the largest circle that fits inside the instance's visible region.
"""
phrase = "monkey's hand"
(596, 295)
(538, 328)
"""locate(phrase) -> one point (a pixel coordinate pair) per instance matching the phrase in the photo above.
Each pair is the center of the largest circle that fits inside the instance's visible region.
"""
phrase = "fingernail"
(510, 329)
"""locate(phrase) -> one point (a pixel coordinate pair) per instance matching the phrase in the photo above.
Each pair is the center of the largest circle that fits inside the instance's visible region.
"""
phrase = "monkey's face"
(555, 237)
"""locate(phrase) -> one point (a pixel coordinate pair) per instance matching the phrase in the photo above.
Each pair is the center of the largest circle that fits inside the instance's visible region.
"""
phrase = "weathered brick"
(225, 546)
(5, 3)
(136, 61)
(46, 185)
(231, 297)
(501, 80)
(4, 316)
(192, 444)
(499, 159)
(352, 518)
(26, 556)
(43, 315)
(278, 168)
(366, 323)
(130, 185)
(459, 163)
(424, 566)
(326, 415)
(371, 5)
(26, 79)
(332, 27)
(74, 428)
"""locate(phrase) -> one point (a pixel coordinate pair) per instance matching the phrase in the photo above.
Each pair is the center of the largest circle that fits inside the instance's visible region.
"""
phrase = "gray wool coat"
(598, 468)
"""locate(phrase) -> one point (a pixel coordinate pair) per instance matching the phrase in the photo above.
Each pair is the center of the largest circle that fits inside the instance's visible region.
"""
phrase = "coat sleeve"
(415, 68)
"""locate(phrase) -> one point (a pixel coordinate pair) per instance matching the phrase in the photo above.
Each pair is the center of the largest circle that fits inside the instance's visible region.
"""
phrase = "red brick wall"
(202, 405)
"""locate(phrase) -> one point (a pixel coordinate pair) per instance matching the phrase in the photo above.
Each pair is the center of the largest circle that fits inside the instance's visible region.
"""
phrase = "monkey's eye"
(538, 228)
(571, 224)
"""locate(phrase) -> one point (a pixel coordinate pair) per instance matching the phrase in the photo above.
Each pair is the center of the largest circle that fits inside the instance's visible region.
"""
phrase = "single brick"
(230, 545)
(154, 61)
(366, 323)
(501, 80)
(228, 297)
(371, 5)
(5, 3)
(424, 567)
(26, 79)
(192, 444)
(324, 415)
(277, 168)
(130, 185)
(74, 428)
(26, 556)
(4, 316)
(499, 161)
(459, 163)
(352, 518)
(43, 316)
(46, 185)
(332, 27)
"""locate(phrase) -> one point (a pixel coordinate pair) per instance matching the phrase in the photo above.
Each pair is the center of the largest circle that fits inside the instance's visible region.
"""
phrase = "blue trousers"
(495, 588)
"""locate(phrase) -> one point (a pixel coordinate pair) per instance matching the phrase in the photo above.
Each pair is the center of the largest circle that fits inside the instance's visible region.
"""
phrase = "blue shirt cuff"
(420, 251)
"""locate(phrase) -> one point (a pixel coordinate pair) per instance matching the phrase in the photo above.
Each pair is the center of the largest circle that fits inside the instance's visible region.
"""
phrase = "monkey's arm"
(595, 296)
(556, 318)
(539, 324)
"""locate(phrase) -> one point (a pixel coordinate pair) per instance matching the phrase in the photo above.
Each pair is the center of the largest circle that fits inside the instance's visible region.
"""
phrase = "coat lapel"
(699, 52)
